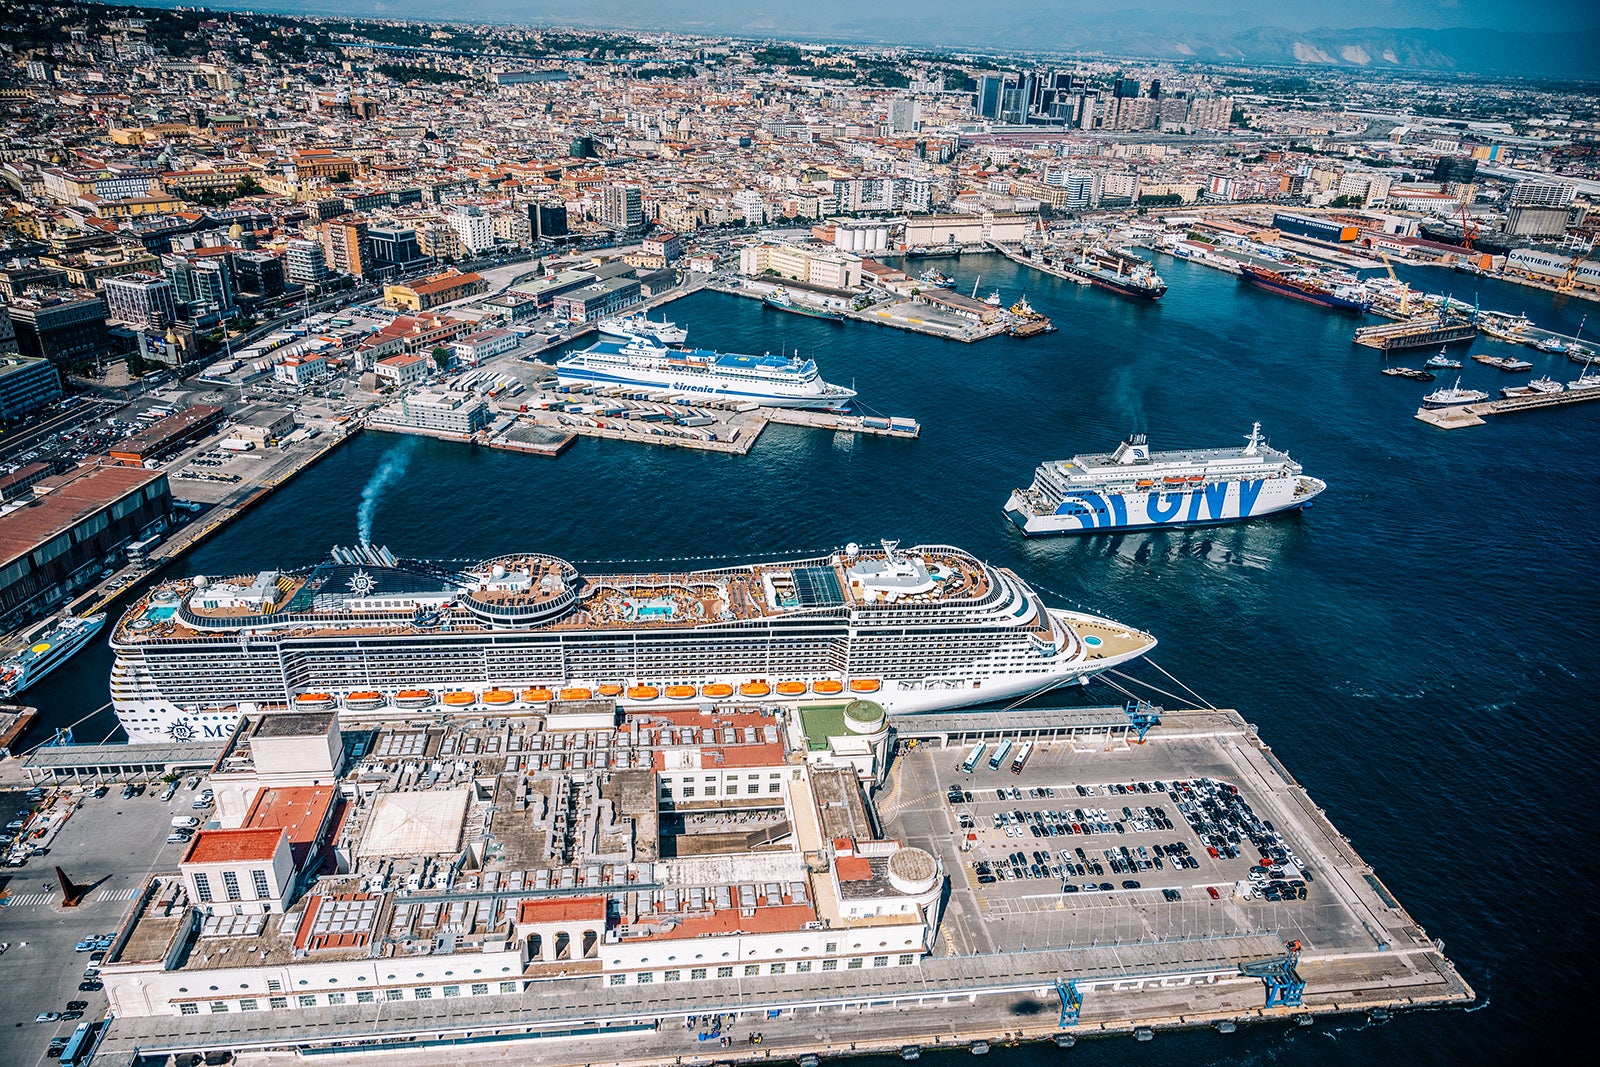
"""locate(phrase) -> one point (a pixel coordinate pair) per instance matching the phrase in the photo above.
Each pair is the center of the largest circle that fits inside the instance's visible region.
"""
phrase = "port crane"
(1469, 232)
(1569, 280)
(1405, 287)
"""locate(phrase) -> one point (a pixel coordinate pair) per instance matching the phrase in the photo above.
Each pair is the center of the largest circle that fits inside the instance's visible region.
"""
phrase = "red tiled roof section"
(579, 909)
(300, 810)
(853, 869)
(234, 846)
(778, 919)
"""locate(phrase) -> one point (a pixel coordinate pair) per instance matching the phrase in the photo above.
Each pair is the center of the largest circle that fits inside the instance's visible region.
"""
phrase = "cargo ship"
(1133, 488)
(47, 650)
(1128, 275)
(920, 629)
(771, 381)
(782, 301)
(1307, 287)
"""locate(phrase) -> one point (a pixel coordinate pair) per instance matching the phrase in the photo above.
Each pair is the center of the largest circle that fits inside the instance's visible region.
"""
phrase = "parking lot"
(108, 843)
(1089, 845)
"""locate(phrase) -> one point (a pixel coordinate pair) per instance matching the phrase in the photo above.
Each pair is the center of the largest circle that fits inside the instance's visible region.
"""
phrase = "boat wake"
(393, 466)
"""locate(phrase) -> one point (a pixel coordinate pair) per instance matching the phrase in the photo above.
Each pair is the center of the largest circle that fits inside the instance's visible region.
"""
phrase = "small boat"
(498, 696)
(460, 698)
(810, 1059)
(413, 698)
(1144, 1033)
(643, 692)
(791, 689)
(979, 1048)
(314, 701)
(537, 695)
(993, 299)
(1443, 362)
(1589, 379)
(827, 687)
(865, 685)
(755, 689)
(1444, 398)
(610, 689)
(1550, 344)
(1537, 387)
(577, 692)
(1580, 354)
(1409, 372)
(366, 700)
(717, 691)
(681, 692)
(1145, 483)
(911, 1053)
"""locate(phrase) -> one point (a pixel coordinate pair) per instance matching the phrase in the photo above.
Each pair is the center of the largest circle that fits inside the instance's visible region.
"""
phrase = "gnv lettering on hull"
(1205, 504)
(1093, 511)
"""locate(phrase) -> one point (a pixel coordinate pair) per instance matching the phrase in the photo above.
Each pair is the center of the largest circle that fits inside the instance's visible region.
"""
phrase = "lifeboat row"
(496, 697)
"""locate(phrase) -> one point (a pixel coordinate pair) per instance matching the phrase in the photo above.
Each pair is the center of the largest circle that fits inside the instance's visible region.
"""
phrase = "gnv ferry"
(1134, 487)
(772, 381)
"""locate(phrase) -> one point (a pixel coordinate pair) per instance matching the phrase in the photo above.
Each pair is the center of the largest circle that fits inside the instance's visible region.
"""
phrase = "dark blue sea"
(1419, 647)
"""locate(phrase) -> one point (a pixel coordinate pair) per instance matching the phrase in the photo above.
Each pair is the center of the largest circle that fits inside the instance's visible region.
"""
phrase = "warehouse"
(170, 434)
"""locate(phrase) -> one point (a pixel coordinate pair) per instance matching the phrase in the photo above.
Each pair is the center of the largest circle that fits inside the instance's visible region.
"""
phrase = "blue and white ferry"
(697, 373)
(1133, 488)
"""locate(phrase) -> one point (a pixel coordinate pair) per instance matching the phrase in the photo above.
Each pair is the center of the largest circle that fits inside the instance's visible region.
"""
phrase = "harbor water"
(1417, 647)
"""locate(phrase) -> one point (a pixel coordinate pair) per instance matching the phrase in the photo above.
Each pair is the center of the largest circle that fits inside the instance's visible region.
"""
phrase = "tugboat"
(1445, 398)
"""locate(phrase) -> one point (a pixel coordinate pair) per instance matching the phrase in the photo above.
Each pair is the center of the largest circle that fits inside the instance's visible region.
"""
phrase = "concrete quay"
(1458, 416)
(1015, 959)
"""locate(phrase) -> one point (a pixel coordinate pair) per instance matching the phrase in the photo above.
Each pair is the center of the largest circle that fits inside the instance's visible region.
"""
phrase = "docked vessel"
(773, 381)
(782, 301)
(1444, 398)
(626, 328)
(936, 279)
(1128, 275)
(47, 650)
(1442, 361)
(1133, 488)
(919, 629)
(1408, 372)
(1537, 387)
(1307, 287)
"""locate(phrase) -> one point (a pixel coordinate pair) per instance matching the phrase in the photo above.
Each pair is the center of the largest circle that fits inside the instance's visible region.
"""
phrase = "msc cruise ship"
(917, 629)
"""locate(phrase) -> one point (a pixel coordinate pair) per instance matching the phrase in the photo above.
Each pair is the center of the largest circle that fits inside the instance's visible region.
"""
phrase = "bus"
(77, 1048)
(1022, 757)
(971, 762)
(999, 757)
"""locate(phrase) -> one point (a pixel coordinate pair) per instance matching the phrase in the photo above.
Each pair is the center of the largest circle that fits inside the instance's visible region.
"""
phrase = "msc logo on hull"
(183, 731)
(1094, 511)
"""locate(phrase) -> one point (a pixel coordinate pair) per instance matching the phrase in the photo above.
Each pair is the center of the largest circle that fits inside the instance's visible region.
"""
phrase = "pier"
(1460, 415)
(1422, 332)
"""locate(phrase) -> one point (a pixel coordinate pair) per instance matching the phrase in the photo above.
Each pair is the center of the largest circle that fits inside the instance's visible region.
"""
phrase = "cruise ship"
(1133, 488)
(772, 381)
(47, 650)
(920, 629)
(626, 328)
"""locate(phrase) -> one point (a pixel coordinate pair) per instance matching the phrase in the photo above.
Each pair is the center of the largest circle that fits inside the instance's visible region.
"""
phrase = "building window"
(202, 887)
(274, 985)
(394, 994)
(218, 1007)
(775, 787)
(854, 964)
(802, 966)
(452, 991)
(335, 998)
(646, 977)
(230, 883)
(697, 973)
(907, 959)
(751, 969)
(260, 879)
(366, 996)
(619, 979)
(733, 789)
(688, 790)
(880, 961)
(830, 965)
(779, 968)
(671, 976)
(308, 1000)
(724, 972)
(249, 1004)
(276, 1003)
(830, 948)
(425, 993)
(511, 987)
(480, 989)
(189, 1009)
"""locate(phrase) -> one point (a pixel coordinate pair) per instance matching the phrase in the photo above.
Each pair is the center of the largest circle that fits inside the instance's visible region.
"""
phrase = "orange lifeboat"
(1145, 483)
(537, 695)
(865, 685)
(754, 689)
(414, 698)
(610, 689)
(791, 689)
(364, 701)
(314, 700)
(717, 691)
(461, 699)
(499, 696)
(680, 692)
(1173, 481)
(643, 692)
(827, 687)
(576, 692)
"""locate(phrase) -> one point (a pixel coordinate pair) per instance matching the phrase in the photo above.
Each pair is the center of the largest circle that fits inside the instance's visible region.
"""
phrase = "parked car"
(47, 1017)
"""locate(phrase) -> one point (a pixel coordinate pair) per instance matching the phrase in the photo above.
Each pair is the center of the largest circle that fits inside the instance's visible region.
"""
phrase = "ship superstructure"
(47, 651)
(917, 629)
(772, 381)
(626, 328)
(1134, 487)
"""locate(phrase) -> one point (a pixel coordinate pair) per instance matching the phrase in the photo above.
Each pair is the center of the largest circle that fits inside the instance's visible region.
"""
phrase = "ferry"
(782, 301)
(1133, 488)
(916, 629)
(1444, 398)
(47, 650)
(771, 381)
(1127, 275)
(1306, 286)
(1537, 387)
(626, 328)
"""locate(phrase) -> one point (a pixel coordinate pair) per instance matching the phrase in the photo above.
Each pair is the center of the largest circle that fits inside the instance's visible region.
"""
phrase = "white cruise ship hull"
(708, 387)
(1210, 503)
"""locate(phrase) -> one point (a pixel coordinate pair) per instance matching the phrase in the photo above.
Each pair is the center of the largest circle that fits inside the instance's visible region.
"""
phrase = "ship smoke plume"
(393, 466)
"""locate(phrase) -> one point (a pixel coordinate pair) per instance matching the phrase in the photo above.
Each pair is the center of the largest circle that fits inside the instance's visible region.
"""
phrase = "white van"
(185, 822)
